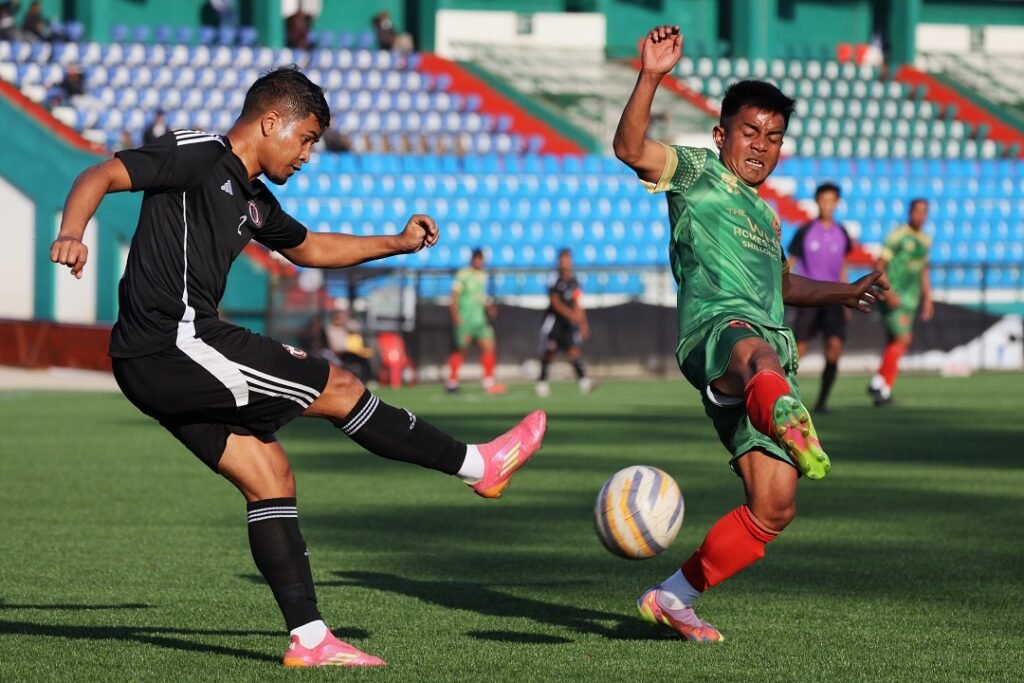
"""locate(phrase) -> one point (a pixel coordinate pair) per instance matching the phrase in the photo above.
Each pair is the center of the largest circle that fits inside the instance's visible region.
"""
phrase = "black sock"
(280, 555)
(397, 434)
(580, 368)
(828, 378)
(544, 365)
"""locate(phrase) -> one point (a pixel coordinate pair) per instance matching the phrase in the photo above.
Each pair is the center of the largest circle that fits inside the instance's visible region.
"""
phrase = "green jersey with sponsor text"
(471, 290)
(906, 254)
(725, 250)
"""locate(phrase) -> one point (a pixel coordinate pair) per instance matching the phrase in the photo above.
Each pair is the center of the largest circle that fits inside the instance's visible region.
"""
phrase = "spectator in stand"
(336, 140)
(8, 25)
(388, 37)
(155, 130)
(73, 84)
(219, 13)
(34, 25)
(296, 29)
(124, 141)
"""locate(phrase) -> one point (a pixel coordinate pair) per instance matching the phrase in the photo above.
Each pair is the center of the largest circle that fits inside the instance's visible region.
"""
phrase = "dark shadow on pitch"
(485, 600)
(72, 608)
(148, 635)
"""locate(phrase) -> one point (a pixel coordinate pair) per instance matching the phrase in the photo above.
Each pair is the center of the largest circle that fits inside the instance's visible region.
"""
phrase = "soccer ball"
(638, 512)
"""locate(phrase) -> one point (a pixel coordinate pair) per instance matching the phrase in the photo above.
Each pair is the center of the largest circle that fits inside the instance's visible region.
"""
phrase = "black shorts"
(830, 320)
(557, 334)
(224, 380)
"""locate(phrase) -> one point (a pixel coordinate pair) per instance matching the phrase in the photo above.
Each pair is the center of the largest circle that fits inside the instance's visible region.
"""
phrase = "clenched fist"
(421, 231)
(70, 252)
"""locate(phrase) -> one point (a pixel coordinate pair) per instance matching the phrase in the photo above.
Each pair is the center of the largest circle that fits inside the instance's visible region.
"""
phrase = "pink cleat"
(330, 652)
(686, 622)
(509, 452)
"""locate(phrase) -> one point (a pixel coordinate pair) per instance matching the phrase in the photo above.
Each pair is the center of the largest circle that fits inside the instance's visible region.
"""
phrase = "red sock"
(761, 393)
(454, 363)
(488, 359)
(735, 542)
(891, 362)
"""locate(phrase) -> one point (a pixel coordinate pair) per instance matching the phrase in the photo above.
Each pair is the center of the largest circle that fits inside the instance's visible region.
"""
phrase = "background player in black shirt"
(222, 390)
(565, 326)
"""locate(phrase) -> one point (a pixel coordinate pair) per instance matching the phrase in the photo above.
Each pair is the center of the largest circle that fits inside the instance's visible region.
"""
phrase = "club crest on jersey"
(254, 214)
(731, 182)
(298, 353)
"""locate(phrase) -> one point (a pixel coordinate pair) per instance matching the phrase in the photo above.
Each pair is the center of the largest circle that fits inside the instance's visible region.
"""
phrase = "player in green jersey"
(733, 347)
(472, 311)
(904, 259)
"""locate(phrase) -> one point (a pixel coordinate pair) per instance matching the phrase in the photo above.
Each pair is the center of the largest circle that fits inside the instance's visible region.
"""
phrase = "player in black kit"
(224, 391)
(565, 326)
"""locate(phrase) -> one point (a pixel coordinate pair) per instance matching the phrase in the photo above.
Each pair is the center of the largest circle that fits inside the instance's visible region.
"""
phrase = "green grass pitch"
(125, 559)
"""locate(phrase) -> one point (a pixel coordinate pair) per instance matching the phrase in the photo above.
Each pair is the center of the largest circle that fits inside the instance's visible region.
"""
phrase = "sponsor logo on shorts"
(298, 353)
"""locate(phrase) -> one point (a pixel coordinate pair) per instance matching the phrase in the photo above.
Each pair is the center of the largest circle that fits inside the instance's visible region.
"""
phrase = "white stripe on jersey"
(239, 379)
(192, 141)
(190, 137)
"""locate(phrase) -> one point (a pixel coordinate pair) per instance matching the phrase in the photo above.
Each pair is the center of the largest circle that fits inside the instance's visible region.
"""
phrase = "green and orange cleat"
(330, 652)
(510, 451)
(795, 432)
(685, 622)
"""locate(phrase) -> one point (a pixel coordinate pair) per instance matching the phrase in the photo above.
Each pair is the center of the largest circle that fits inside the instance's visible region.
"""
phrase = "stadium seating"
(380, 99)
(846, 110)
(975, 219)
(522, 209)
(881, 143)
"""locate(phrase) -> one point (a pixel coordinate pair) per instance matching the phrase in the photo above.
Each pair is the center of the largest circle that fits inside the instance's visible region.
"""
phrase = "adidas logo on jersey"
(227, 187)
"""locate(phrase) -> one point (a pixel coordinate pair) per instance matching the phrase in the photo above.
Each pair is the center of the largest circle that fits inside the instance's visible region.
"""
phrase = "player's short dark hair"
(477, 252)
(291, 90)
(757, 94)
(564, 251)
(915, 201)
(828, 187)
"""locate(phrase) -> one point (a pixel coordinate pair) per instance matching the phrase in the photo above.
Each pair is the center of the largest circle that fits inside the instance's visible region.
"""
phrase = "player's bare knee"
(774, 514)
(343, 384)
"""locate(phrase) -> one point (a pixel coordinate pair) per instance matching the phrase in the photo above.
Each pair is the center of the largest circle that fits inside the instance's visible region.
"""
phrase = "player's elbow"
(625, 152)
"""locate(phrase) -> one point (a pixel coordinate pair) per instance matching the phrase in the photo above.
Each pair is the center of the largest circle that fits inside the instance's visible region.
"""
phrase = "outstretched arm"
(927, 307)
(661, 51)
(324, 250)
(85, 196)
(861, 295)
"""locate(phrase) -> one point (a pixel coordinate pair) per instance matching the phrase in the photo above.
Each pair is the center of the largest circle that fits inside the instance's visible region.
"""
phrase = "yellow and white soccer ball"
(638, 512)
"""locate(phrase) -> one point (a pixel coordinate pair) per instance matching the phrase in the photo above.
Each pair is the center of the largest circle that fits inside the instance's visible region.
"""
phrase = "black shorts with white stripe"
(220, 379)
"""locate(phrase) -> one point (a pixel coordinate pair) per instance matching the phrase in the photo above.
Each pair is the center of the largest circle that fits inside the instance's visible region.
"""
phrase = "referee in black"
(224, 391)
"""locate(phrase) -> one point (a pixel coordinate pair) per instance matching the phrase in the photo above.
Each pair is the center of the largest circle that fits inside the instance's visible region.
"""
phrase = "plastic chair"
(394, 360)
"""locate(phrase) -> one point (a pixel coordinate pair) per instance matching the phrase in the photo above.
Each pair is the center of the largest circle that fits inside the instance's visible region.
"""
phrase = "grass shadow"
(485, 600)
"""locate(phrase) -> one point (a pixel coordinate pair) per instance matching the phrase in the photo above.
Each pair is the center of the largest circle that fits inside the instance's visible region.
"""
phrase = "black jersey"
(198, 213)
(568, 290)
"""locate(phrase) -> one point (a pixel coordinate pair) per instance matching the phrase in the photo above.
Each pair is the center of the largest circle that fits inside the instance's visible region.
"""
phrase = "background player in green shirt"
(733, 345)
(472, 311)
(904, 259)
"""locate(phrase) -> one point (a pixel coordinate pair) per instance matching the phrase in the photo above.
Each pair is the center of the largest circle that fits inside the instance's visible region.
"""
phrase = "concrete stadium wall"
(17, 258)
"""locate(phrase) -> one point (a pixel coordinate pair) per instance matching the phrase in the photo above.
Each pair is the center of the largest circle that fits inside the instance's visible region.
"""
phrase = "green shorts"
(465, 333)
(899, 321)
(709, 360)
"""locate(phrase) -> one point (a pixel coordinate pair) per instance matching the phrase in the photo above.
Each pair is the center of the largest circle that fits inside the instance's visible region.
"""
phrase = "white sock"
(877, 382)
(311, 634)
(472, 469)
(676, 592)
